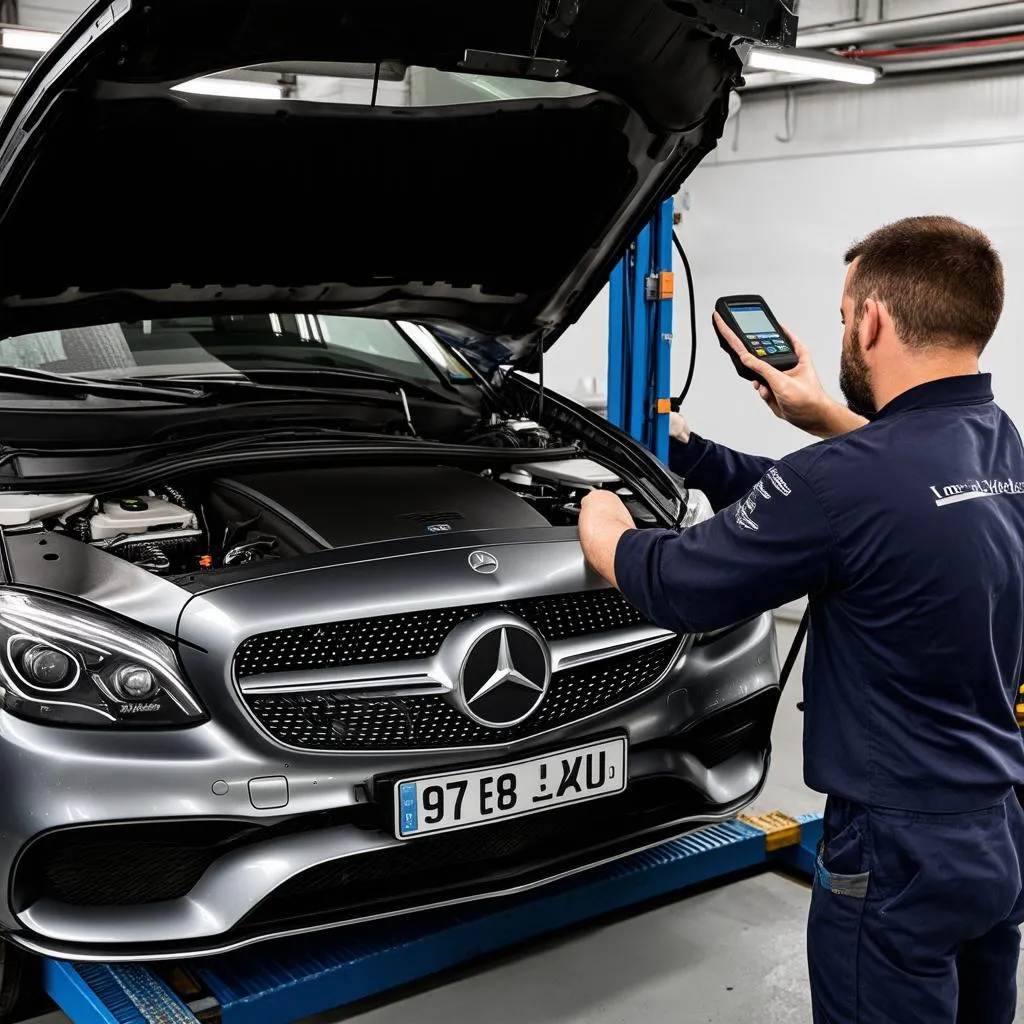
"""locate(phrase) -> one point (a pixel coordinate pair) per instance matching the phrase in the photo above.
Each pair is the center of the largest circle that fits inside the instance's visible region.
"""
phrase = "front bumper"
(131, 846)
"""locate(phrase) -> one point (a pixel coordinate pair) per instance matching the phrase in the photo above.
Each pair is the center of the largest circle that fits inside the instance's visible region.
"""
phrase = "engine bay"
(229, 521)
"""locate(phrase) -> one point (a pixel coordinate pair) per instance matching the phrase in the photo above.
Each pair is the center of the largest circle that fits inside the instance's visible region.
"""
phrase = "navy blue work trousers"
(915, 917)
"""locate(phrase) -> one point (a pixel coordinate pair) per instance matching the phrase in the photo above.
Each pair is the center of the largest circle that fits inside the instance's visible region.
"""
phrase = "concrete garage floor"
(728, 955)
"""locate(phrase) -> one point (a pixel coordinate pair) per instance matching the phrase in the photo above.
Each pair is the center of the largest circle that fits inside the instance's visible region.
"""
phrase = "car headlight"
(63, 664)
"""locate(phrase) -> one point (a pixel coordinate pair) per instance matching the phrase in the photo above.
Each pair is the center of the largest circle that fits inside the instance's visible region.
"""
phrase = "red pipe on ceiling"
(912, 51)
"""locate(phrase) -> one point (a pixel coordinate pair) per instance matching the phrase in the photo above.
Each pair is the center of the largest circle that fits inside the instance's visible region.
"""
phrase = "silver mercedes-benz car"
(295, 630)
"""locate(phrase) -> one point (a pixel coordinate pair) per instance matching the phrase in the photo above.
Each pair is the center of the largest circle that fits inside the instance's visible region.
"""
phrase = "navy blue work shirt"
(908, 536)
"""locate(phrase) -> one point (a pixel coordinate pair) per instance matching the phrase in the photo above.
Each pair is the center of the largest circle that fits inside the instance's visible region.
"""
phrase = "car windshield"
(215, 345)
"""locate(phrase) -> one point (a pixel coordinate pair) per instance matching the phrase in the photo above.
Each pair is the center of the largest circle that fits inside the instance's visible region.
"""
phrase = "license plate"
(444, 803)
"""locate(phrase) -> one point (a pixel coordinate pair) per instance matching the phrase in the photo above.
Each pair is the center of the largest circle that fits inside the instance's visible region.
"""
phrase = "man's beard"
(854, 379)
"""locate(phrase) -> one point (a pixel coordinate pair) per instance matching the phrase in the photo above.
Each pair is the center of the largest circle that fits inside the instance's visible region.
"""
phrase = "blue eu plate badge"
(408, 807)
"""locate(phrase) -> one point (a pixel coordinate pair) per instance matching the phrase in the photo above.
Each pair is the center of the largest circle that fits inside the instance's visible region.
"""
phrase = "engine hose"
(152, 558)
(176, 496)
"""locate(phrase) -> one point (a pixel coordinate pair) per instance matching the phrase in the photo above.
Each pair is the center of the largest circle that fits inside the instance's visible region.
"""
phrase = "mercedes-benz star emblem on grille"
(483, 561)
(505, 676)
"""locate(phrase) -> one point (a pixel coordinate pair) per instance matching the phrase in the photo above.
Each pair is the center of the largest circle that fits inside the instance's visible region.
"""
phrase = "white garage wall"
(50, 15)
(776, 217)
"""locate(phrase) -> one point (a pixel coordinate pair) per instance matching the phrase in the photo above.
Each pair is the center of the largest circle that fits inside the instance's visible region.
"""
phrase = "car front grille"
(335, 721)
(420, 634)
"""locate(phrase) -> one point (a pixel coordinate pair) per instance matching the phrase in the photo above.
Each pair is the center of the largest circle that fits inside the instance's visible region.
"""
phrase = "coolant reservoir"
(569, 473)
(139, 515)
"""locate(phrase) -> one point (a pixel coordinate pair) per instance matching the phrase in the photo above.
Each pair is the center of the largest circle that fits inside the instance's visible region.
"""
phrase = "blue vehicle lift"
(275, 983)
(640, 335)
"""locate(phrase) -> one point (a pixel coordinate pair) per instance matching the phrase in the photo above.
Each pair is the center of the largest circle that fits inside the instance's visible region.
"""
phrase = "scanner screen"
(762, 337)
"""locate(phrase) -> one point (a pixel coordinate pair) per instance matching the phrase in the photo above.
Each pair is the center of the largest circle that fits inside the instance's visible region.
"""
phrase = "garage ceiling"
(57, 15)
(819, 13)
(850, 26)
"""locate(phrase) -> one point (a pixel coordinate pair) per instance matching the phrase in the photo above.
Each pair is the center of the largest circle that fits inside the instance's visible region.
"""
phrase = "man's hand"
(678, 428)
(797, 395)
(603, 520)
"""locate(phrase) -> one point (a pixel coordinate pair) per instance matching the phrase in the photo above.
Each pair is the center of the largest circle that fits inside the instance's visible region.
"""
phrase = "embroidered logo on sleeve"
(746, 508)
(775, 479)
(745, 513)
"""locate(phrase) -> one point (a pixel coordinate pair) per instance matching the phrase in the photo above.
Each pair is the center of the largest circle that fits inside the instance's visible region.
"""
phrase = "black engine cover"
(311, 510)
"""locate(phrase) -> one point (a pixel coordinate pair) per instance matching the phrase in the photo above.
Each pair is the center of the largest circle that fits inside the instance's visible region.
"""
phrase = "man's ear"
(870, 324)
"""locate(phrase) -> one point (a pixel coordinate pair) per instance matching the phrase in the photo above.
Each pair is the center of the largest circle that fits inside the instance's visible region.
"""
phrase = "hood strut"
(540, 381)
(376, 84)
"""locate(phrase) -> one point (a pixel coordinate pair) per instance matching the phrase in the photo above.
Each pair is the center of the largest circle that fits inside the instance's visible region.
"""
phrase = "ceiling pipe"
(963, 47)
(953, 23)
(1005, 56)
(982, 33)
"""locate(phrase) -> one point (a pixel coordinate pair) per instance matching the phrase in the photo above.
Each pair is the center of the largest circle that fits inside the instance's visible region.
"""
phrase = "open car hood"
(122, 200)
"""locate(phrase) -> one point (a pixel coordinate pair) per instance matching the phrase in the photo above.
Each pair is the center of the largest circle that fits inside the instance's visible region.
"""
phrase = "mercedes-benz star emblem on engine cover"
(505, 676)
(483, 561)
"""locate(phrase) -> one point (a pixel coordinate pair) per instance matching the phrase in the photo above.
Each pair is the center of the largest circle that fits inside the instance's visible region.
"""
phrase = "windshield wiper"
(65, 383)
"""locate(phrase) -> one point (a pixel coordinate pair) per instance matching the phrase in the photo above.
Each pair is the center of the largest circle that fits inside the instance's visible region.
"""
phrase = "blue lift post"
(288, 980)
(640, 335)
(280, 982)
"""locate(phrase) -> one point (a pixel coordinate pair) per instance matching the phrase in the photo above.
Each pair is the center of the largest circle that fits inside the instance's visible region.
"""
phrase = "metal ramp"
(286, 981)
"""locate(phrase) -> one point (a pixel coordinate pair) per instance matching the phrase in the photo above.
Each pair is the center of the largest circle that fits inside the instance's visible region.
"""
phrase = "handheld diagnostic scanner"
(756, 326)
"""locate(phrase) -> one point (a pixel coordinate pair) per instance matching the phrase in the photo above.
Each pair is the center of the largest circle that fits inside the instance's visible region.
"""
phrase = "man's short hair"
(941, 281)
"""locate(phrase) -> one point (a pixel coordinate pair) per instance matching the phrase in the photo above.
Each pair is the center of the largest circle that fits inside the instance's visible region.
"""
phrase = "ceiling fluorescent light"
(820, 66)
(27, 40)
(231, 87)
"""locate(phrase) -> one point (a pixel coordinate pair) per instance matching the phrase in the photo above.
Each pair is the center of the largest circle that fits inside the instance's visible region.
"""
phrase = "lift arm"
(640, 335)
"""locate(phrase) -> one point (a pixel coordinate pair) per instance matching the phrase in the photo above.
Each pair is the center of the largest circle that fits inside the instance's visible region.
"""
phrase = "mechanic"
(905, 527)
